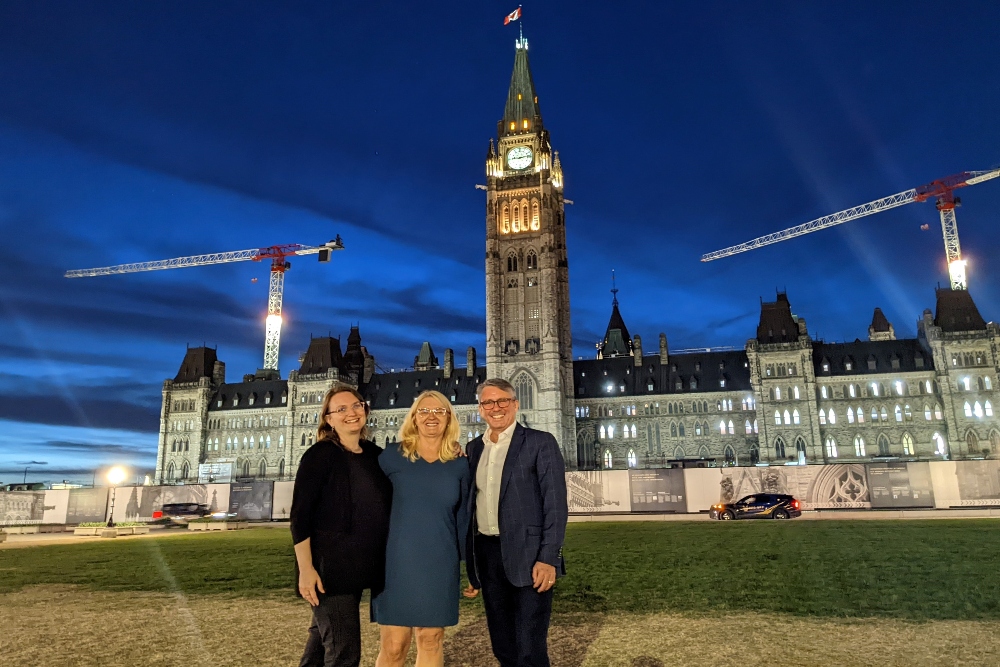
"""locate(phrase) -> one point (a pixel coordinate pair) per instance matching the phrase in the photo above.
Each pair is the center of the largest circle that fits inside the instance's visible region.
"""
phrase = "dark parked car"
(758, 506)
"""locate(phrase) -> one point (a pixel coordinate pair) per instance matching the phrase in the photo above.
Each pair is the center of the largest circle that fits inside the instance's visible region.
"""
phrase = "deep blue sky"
(140, 131)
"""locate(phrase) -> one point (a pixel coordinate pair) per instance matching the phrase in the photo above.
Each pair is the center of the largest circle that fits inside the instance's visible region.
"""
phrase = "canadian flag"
(513, 16)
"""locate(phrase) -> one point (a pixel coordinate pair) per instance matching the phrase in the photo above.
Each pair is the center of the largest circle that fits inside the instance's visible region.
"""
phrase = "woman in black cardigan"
(340, 522)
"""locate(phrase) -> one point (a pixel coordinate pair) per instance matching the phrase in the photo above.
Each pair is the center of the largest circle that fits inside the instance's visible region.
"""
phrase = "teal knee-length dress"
(427, 527)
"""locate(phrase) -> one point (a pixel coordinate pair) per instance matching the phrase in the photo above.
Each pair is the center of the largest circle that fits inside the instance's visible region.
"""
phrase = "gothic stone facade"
(783, 398)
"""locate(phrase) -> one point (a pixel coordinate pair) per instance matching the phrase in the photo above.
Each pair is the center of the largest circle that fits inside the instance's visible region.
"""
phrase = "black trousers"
(517, 616)
(335, 633)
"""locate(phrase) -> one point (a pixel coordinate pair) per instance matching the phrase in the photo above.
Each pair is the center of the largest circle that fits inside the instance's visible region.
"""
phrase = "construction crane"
(942, 190)
(278, 255)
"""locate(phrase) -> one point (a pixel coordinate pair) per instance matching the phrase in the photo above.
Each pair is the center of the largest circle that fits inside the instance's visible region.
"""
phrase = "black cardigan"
(347, 534)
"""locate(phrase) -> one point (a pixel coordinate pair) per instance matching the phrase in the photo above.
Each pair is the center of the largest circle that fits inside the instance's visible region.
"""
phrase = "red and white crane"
(942, 190)
(278, 255)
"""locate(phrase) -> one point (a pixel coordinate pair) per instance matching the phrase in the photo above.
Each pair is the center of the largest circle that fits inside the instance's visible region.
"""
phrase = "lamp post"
(115, 477)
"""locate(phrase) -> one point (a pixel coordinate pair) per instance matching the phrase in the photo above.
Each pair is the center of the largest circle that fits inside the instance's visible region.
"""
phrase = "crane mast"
(278, 255)
(941, 190)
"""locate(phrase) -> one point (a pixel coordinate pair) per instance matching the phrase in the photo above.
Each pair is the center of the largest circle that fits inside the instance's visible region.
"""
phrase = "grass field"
(831, 592)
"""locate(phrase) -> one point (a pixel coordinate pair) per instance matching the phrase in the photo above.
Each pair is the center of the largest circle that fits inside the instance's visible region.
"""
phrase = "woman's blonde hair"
(408, 435)
(325, 431)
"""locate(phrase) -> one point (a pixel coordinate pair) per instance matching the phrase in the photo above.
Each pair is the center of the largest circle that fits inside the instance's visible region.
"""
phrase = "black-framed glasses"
(499, 402)
(353, 407)
(437, 412)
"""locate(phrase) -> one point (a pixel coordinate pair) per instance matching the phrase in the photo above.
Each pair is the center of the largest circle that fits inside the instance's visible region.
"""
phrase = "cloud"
(31, 463)
(53, 409)
(96, 448)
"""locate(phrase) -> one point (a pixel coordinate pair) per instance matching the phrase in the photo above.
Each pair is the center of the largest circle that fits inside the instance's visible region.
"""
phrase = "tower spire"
(521, 114)
(614, 290)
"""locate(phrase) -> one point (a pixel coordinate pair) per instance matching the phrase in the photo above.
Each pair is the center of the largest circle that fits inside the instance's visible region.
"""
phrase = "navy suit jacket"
(533, 509)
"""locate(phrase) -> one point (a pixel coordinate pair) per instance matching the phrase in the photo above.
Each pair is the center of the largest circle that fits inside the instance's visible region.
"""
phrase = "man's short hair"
(499, 383)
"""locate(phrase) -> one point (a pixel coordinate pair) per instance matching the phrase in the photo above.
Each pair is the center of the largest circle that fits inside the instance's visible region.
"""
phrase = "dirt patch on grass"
(759, 640)
(66, 625)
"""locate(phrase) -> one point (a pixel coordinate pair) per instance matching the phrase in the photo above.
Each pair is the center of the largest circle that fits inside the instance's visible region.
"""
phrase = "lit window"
(722, 427)
(777, 393)
(524, 124)
(927, 412)
(939, 445)
(907, 444)
(625, 431)
(978, 410)
(907, 412)
(968, 409)
(603, 431)
(966, 383)
(874, 414)
(611, 430)
(788, 417)
(859, 446)
(632, 459)
(988, 383)
(633, 430)
(777, 418)
(822, 417)
(898, 412)
(831, 448)
(832, 417)
(874, 388)
(608, 462)
(988, 408)
(795, 392)
(755, 426)
(823, 392)
(899, 387)
(852, 390)
(795, 416)
(513, 126)
(534, 217)
(938, 414)
(884, 414)
(748, 427)
(730, 427)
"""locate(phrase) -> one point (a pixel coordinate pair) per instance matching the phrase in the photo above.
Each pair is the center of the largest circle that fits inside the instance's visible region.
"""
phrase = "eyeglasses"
(438, 412)
(500, 403)
(354, 407)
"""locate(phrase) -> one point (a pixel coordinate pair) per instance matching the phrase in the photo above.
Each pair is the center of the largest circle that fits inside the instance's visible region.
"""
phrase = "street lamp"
(115, 477)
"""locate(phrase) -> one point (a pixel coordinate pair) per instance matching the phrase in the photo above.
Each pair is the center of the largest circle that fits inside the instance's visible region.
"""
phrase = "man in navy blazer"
(518, 510)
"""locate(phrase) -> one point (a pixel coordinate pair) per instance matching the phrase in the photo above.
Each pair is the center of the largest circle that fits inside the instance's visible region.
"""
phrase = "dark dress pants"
(517, 616)
(335, 633)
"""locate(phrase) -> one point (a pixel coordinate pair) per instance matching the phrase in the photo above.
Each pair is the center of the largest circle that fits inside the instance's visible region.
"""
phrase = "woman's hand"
(457, 449)
(470, 592)
(309, 583)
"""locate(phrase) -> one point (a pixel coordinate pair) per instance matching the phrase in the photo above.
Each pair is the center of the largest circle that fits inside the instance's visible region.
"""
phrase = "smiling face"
(497, 416)
(432, 418)
(345, 414)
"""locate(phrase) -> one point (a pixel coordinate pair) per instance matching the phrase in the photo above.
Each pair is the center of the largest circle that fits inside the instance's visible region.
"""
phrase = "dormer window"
(524, 124)
(825, 365)
(848, 364)
(267, 398)
(252, 399)
(284, 398)
(236, 400)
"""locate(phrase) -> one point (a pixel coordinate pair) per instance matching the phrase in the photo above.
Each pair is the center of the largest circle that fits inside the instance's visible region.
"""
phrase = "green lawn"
(905, 569)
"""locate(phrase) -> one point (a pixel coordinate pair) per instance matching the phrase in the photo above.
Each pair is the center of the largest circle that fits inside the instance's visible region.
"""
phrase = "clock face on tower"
(519, 157)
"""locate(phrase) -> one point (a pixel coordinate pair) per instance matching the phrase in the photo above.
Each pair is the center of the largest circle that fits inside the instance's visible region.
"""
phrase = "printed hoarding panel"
(978, 483)
(900, 484)
(138, 503)
(702, 486)
(657, 490)
(56, 506)
(598, 491)
(87, 505)
(832, 486)
(212, 473)
(18, 507)
(251, 501)
(281, 504)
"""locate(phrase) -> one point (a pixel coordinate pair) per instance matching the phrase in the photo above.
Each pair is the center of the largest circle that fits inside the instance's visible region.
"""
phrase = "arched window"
(968, 409)
(884, 414)
(505, 220)
(680, 430)
(788, 417)
(777, 418)
(861, 415)
(995, 440)
(246, 468)
(729, 456)
(512, 262)
(531, 260)
(657, 429)
(940, 448)
(883, 445)
(173, 446)
(988, 408)
(729, 428)
(747, 427)
(524, 388)
(795, 392)
(281, 468)
(754, 454)
(971, 440)
(800, 449)
(185, 471)
(850, 415)
(170, 472)
(831, 416)
(777, 393)
(831, 448)
(755, 426)
(722, 427)
(822, 417)
(524, 216)
(779, 448)
(898, 412)
(938, 414)
(603, 432)
(625, 431)
(859, 446)
(262, 468)
(516, 224)
(608, 461)
(795, 416)
(679, 452)
(633, 461)
(535, 223)
(977, 410)
(908, 444)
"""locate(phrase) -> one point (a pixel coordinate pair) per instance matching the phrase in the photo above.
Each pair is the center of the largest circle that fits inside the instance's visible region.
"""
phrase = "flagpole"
(520, 24)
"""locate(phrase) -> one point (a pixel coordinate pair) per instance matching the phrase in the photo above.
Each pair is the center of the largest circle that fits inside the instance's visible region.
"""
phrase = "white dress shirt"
(488, 476)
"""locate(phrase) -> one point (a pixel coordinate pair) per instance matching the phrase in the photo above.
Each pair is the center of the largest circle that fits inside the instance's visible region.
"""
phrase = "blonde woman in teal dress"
(427, 529)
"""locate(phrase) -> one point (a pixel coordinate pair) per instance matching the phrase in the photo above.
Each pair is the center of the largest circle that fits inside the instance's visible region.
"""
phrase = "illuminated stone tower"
(528, 338)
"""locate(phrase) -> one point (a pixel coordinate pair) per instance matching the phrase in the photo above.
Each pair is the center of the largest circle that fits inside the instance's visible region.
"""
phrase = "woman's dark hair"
(325, 431)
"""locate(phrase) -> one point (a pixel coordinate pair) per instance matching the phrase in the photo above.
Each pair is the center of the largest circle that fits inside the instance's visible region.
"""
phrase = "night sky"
(142, 131)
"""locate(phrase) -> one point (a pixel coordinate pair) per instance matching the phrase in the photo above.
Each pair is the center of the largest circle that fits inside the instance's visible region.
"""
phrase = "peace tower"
(528, 338)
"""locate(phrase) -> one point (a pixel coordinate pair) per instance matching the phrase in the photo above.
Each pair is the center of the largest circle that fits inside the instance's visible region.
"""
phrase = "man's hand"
(309, 583)
(470, 592)
(458, 451)
(543, 576)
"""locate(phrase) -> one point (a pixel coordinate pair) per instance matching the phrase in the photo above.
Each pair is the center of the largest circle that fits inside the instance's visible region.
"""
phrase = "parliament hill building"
(783, 398)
